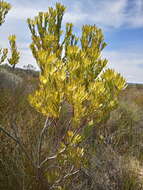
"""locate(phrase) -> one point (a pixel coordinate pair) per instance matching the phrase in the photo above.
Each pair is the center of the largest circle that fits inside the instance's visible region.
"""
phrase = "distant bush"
(9, 80)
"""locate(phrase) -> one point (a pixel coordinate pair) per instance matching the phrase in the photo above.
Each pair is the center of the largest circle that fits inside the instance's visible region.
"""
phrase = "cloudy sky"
(120, 20)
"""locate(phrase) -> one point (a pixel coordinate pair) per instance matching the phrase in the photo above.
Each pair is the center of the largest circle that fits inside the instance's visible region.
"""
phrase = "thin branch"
(64, 177)
(13, 126)
(71, 174)
(19, 143)
(47, 124)
(9, 135)
(52, 157)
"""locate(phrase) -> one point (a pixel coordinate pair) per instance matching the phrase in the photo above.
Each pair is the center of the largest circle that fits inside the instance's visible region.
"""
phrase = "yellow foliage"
(15, 55)
(77, 76)
(4, 8)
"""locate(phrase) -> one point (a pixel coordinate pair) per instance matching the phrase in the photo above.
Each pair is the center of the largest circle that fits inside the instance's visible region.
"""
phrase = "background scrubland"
(114, 148)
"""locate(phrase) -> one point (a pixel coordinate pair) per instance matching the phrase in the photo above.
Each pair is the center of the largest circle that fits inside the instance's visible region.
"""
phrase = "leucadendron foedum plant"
(75, 89)
(4, 8)
(15, 54)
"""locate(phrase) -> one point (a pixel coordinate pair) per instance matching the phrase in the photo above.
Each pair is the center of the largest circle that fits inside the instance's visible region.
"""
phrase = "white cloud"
(135, 15)
(75, 17)
(117, 13)
(110, 13)
(129, 63)
(107, 13)
(27, 58)
(22, 13)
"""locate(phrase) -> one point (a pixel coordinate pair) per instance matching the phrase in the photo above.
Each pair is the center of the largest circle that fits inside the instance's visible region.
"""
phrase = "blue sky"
(120, 20)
